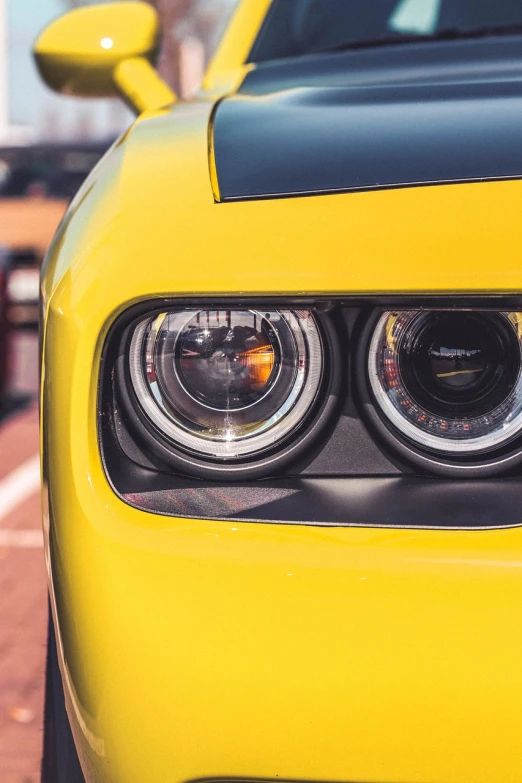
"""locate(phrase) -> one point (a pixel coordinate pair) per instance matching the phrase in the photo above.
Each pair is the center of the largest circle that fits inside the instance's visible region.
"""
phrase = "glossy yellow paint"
(193, 649)
(102, 51)
(196, 649)
(229, 65)
(139, 85)
(437, 239)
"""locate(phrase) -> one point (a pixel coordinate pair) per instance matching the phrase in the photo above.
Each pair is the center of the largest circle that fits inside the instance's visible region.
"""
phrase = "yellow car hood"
(146, 224)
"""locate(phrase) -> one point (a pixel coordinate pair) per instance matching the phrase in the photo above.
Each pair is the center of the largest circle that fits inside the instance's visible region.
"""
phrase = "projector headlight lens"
(449, 381)
(226, 384)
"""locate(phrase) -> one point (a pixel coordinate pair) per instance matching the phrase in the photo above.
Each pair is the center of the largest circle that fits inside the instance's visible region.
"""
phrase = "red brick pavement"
(23, 618)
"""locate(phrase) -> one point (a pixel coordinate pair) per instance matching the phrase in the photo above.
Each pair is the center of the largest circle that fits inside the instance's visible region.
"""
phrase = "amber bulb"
(260, 362)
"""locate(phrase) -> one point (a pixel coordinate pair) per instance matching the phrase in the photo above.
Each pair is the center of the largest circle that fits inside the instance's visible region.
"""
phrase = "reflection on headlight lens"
(450, 381)
(231, 364)
(226, 383)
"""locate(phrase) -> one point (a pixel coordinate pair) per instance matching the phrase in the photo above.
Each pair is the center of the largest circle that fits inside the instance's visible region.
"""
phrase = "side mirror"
(105, 50)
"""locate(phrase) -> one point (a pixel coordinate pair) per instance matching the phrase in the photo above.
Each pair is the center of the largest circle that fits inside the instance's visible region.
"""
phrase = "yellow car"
(282, 402)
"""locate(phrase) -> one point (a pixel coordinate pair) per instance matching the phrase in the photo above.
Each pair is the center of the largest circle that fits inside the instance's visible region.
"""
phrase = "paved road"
(23, 599)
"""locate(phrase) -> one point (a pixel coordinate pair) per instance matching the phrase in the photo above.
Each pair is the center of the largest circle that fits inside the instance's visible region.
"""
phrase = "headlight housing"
(448, 383)
(229, 389)
(260, 389)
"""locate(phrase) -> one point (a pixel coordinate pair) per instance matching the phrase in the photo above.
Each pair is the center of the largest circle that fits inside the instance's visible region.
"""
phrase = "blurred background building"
(30, 113)
(49, 142)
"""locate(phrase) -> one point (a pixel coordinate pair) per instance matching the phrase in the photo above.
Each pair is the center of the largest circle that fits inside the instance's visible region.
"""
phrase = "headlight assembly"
(228, 386)
(261, 389)
(449, 382)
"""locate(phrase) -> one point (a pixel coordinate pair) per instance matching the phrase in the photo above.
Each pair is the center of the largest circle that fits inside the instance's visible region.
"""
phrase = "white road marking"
(21, 539)
(18, 486)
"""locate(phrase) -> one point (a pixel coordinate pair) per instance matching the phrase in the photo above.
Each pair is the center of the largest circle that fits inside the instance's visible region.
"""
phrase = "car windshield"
(296, 27)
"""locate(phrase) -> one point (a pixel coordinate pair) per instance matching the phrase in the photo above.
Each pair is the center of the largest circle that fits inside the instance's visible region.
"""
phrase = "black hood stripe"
(311, 139)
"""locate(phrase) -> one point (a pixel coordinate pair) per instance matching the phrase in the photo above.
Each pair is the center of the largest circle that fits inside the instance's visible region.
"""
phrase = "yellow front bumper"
(199, 649)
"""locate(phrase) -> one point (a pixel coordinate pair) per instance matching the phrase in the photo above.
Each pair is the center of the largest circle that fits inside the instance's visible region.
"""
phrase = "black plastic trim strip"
(403, 502)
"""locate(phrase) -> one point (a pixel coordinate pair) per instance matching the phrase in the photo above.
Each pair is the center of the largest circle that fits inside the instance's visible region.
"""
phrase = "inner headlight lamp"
(226, 384)
(449, 381)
